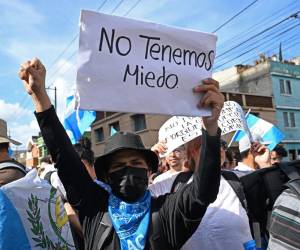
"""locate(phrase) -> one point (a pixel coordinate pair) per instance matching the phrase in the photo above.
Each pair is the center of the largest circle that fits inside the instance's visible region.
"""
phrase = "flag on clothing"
(33, 216)
(77, 121)
(266, 130)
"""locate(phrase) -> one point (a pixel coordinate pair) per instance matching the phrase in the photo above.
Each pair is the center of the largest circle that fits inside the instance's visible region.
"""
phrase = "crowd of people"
(202, 195)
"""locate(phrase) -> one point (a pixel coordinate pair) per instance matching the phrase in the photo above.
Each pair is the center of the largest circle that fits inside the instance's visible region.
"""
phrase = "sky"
(49, 30)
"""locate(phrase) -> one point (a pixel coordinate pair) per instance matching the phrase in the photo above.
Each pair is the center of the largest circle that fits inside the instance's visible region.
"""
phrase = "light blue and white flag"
(258, 126)
(32, 216)
(77, 121)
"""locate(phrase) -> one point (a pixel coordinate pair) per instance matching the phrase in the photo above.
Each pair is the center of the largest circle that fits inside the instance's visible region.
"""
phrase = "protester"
(84, 150)
(10, 170)
(175, 161)
(162, 168)
(225, 224)
(284, 222)
(254, 155)
(124, 166)
(277, 154)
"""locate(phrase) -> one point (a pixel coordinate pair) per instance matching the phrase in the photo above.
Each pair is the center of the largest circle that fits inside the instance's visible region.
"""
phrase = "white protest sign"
(179, 130)
(126, 65)
(232, 118)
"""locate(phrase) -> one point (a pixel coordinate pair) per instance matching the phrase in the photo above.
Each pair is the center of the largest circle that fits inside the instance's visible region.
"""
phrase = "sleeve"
(182, 212)
(80, 188)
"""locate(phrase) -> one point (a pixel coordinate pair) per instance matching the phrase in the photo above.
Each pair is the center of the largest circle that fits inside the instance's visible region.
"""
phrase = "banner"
(33, 216)
(126, 65)
(179, 130)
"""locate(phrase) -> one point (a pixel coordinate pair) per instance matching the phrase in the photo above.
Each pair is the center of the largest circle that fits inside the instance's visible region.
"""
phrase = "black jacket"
(175, 217)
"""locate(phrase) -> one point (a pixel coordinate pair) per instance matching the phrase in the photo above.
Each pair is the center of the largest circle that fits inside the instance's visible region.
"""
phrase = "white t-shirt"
(162, 187)
(243, 167)
(225, 224)
(164, 176)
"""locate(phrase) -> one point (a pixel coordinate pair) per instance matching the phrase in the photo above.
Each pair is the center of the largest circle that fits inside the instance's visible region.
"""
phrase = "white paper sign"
(126, 65)
(232, 118)
(179, 130)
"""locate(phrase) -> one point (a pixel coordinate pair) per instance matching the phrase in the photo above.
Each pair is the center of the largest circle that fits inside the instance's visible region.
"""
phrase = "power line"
(233, 17)
(292, 38)
(71, 42)
(272, 37)
(74, 53)
(278, 13)
(117, 6)
(131, 9)
(295, 15)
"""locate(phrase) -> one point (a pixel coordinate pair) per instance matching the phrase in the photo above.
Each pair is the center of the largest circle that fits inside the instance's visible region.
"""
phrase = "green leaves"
(34, 217)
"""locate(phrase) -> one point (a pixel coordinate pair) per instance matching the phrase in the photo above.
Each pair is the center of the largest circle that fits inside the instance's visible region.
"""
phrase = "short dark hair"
(4, 146)
(280, 150)
(83, 148)
(244, 154)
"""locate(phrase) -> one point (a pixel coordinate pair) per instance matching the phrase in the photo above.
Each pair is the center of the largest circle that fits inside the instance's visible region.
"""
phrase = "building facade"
(286, 91)
(32, 154)
(279, 80)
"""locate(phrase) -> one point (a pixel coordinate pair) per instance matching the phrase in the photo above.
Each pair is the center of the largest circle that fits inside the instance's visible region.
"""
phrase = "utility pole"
(55, 96)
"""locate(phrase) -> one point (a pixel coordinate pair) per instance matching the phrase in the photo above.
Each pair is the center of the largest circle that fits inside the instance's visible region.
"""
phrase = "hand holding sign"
(159, 148)
(145, 62)
(212, 98)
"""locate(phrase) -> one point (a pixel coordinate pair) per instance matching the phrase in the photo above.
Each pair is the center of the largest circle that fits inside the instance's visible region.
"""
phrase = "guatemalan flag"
(32, 216)
(77, 121)
(265, 129)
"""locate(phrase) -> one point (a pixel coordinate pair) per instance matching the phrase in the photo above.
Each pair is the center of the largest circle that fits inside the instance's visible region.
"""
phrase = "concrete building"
(147, 126)
(280, 80)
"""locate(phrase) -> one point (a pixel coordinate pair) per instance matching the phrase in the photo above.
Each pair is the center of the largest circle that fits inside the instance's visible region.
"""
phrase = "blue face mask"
(129, 183)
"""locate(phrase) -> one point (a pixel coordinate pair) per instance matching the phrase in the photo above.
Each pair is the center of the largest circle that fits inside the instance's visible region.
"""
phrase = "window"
(99, 135)
(282, 90)
(289, 119)
(114, 128)
(292, 119)
(292, 154)
(286, 119)
(288, 87)
(139, 122)
(285, 87)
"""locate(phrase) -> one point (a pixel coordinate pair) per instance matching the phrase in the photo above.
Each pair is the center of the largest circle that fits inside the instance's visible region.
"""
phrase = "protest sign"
(126, 65)
(232, 118)
(179, 130)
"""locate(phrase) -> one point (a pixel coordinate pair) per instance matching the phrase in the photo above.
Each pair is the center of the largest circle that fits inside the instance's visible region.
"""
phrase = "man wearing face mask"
(117, 211)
